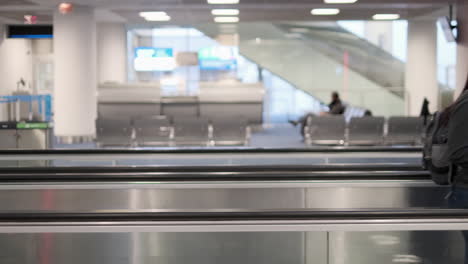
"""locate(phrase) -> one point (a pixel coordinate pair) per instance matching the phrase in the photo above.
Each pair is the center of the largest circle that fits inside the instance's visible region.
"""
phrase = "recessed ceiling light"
(225, 12)
(155, 16)
(325, 11)
(65, 8)
(340, 1)
(386, 16)
(226, 19)
(158, 18)
(222, 2)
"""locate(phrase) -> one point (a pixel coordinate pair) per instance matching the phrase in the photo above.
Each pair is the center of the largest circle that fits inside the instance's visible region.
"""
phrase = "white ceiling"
(185, 12)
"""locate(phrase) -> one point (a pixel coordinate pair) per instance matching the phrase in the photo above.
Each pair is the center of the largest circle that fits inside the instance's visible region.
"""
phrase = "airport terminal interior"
(229, 131)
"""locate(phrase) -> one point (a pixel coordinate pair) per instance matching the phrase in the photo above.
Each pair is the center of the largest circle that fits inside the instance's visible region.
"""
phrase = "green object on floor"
(32, 126)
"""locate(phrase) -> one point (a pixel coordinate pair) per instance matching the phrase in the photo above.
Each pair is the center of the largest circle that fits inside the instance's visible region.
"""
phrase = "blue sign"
(154, 59)
(147, 52)
(217, 58)
(219, 65)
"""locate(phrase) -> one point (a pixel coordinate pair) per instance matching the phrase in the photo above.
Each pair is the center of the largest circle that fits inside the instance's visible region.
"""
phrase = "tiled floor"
(281, 135)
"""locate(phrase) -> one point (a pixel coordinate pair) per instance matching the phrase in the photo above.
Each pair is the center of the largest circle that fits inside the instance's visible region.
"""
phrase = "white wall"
(42, 46)
(112, 52)
(15, 62)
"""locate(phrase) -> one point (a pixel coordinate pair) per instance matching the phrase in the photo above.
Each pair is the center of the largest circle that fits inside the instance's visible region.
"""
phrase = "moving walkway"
(321, 214)
(219, 187)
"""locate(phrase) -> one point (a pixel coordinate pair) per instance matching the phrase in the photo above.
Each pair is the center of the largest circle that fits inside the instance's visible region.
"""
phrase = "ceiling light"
(225, 12)
(65, 8)
(325, 11)
(226, 19)
(340, 1)
(158, 18)
(222, 2)
(386, 16)
(155, 16)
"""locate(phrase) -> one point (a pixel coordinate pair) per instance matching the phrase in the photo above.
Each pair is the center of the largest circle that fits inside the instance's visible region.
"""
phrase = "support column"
(112, 51)
(421, 67)
(75, 106)
(462, 47)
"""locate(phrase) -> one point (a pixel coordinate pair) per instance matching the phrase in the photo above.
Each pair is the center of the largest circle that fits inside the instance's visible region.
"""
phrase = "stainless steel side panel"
(222, 198)
(376, 197)
(105, 199)
(150, 248)
(434, 247)
(239, 247)
(444, 247)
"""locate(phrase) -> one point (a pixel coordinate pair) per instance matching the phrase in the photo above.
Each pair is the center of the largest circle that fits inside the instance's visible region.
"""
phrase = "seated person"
(368, 113)
(336, 106)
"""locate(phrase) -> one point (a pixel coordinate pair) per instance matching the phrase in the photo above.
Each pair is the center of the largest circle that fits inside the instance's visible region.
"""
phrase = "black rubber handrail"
(207, 150)
(214, 176)
(216, 173)
(116, 216)
(215, 168)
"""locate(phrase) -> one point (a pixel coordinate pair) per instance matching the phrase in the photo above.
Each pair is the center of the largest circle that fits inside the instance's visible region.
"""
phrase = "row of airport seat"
(193, 108)
(216, 100)
(334, 130)
(166, 131)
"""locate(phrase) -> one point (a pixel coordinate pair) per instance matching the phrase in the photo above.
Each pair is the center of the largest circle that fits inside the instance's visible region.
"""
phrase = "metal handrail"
(241, 220)
(227, 150)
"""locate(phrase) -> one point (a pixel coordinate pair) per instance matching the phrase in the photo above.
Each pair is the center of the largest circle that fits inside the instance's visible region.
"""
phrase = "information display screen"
(217, 58)
(154, 59)
(30, 31)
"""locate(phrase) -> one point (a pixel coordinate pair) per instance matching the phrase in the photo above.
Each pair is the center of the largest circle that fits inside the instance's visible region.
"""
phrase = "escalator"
(311, 57)
(365, 58)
